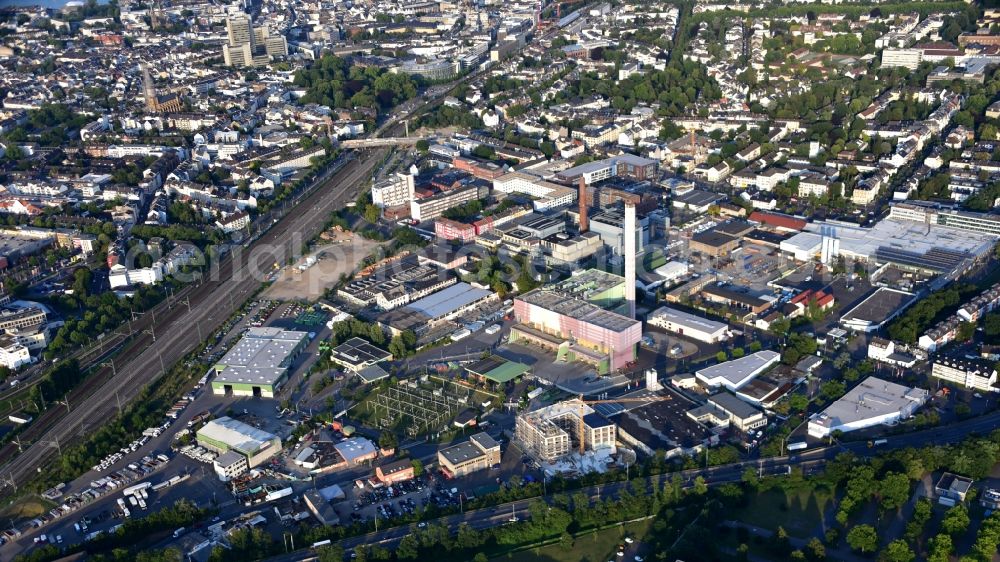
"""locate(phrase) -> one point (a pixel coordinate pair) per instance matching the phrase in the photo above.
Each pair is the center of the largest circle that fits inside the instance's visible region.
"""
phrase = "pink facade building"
(576, 329)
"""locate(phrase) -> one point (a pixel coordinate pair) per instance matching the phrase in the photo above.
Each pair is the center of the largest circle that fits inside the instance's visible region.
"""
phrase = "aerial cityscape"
(536, 280)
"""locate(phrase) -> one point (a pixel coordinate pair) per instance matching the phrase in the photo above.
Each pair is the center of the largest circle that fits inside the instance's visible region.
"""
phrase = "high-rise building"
(251, 46)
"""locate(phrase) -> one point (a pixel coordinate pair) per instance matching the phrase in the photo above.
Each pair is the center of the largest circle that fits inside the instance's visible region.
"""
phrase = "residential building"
(553, 432)
(967, 373)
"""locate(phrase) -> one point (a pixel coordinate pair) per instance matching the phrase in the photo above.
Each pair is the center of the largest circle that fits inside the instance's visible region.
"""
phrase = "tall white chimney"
(628, 231)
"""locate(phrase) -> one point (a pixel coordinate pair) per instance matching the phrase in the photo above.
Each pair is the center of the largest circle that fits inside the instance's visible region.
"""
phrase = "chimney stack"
(582, 197)
(628, 231)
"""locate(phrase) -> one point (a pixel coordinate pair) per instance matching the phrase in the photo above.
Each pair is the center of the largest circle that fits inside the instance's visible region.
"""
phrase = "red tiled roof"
(778, 220)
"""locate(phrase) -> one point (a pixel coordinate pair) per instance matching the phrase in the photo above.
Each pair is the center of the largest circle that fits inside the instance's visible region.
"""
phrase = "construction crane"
(582, 427)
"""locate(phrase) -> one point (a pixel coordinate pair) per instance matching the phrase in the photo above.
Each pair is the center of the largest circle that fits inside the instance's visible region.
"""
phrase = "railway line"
(158, 339)
(192, 313)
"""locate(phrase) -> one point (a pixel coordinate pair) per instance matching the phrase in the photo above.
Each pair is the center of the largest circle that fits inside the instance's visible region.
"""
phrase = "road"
(159, 339)
(809, 461)
(169, 338)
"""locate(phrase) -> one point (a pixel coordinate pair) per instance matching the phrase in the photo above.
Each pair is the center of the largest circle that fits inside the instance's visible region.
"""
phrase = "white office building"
(393, 191)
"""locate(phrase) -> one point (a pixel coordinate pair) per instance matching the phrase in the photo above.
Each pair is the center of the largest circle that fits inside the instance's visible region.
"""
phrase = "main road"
(808, 460)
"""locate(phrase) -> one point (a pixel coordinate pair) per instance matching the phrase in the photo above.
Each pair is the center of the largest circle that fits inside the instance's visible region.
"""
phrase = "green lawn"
(800, 513)
(591, 547)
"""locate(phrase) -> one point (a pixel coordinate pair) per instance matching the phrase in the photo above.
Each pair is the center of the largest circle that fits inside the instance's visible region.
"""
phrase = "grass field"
(800, 513)
(591, 547)
(25, 508)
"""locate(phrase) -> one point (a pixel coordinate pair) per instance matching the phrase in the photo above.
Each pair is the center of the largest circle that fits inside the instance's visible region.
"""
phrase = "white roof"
(687, 320)
(874, 398)
(236, 435)
(736, 373)
(260, 357)
(355, 448)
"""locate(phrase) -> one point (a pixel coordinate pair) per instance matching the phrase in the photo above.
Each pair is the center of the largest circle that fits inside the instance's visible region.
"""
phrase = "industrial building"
(396, 284)
(938, 243)
(356, 450)
(258, 364)
(689, 325)
(725, 410)
(551, 433)
(576, 329)
(240, 446)
(395, 471)
(610, 225)
(738, 372)
(873, 402)
(356, 354)
(479, 452)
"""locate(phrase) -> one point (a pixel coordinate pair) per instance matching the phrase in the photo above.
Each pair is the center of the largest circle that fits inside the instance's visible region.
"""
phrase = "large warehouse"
(690, 325)
(873, 402)
(738, 372)
(241, 446)
(576, 329)
(258, 364)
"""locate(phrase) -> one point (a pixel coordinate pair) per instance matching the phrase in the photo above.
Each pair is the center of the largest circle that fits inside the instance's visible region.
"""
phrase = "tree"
(894, 490)
(330, 553)
(955, 521)
(423, 146)
(863, 538)
(408, 548)
(699, 486)
(815, 549)
(388, 440)
(831, 390)
(780, 327)
(940, 548)
(418, 467)
(897, 551)
(721, 356)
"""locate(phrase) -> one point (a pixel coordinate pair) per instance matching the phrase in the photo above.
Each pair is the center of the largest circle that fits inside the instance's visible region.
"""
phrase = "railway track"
(156, 345)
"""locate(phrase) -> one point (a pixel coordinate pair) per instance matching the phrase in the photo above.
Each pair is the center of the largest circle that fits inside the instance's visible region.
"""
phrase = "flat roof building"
(258, 364)
(395, 471)
(686, 324)
(576, 328)
(550, 433)
(356, 354)
(873, 402)
(226, 435)
(479, 452)
(356, 450)
(738, 372)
